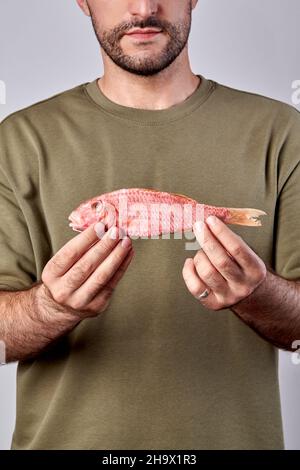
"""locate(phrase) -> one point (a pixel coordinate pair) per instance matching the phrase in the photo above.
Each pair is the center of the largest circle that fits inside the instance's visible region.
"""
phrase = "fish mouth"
(76, 228)
(75, 222)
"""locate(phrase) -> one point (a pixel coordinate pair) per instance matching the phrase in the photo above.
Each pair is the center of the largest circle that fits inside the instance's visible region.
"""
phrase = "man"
(181, 353)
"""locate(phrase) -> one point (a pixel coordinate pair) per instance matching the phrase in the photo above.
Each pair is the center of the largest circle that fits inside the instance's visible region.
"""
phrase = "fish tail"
(247, 216)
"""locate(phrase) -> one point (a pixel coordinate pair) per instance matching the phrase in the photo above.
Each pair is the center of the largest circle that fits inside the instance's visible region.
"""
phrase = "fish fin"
(248, 216)
(183, 195)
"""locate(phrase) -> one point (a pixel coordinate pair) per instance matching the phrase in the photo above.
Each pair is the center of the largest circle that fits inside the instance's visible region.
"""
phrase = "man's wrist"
(48, 309)
(254, 299)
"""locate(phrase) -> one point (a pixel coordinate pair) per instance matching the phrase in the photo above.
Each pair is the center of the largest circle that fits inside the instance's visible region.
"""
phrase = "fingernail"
(126, 242)
(113, 232)
(99, 229)
(122, 232)
(198, 226)
(211, 220)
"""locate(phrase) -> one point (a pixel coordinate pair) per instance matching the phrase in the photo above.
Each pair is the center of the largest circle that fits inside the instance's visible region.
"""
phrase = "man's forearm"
(273, 310)
(30, 321)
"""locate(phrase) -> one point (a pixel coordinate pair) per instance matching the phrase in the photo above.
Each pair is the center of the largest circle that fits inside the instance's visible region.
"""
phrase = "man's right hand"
(83, 274)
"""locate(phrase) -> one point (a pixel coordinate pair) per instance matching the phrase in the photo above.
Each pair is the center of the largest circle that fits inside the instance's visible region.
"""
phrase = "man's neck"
(161, 91)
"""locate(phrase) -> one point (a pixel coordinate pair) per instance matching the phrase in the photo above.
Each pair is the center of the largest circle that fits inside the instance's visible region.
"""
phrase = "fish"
(149, 212)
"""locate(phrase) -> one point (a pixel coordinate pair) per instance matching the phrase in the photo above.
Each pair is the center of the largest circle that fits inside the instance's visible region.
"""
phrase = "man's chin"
(143, 62)
(143, 71)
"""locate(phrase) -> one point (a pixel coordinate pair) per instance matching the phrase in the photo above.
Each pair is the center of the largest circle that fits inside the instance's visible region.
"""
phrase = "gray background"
(47, 46)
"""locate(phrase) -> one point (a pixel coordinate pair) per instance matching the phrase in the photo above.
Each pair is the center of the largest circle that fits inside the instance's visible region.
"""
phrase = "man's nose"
(143, 8)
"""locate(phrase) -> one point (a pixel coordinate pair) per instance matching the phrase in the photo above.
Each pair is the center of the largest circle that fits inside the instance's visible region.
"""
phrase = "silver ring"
(204, 294)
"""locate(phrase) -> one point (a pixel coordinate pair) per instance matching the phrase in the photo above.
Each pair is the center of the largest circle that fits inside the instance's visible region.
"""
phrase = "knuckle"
(233, 299)
(219, 230)
(100, 280)
(45, 277)
(108, 291)
(211, 247)
(213, 303)
(100, 306)
(209, 274)
(256, 278)
(68, 252)
(56, 263)
(237, 251)
(77, 304)
(245, 291)
(59, 296)
(197, 261)
(83, 266)
(226, 300)
(224, 264)
(106, 245)
(217, 307)
(119, 256)
(70, 282)
(262, 271)
(95, 288)
(194, 290)
(89, 235)
(90, 312)
(204, 239)
(76, 275)
(99, 248)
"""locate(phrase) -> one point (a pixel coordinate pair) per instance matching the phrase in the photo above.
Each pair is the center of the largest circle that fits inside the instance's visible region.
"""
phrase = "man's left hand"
(225, 265)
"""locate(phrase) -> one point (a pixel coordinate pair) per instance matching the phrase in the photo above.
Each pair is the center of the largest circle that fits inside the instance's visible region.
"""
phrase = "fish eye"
(98, 207)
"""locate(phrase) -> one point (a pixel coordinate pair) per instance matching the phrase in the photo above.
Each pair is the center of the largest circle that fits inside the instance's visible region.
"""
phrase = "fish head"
(90, 212)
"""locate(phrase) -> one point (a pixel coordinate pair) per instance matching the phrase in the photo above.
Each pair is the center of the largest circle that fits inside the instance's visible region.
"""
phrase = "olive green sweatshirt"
(156, 370)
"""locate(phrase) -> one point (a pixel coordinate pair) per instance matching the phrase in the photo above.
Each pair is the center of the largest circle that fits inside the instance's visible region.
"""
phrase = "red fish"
(149, 212)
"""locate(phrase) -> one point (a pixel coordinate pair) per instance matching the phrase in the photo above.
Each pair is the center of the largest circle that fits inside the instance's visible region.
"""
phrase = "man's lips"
(143, 34)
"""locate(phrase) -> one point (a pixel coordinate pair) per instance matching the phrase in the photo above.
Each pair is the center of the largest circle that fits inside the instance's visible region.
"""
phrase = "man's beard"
(178, 34)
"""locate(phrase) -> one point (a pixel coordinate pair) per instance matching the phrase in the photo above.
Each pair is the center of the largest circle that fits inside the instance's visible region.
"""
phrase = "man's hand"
(83, 274)
(225, 265)
(77, 282)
